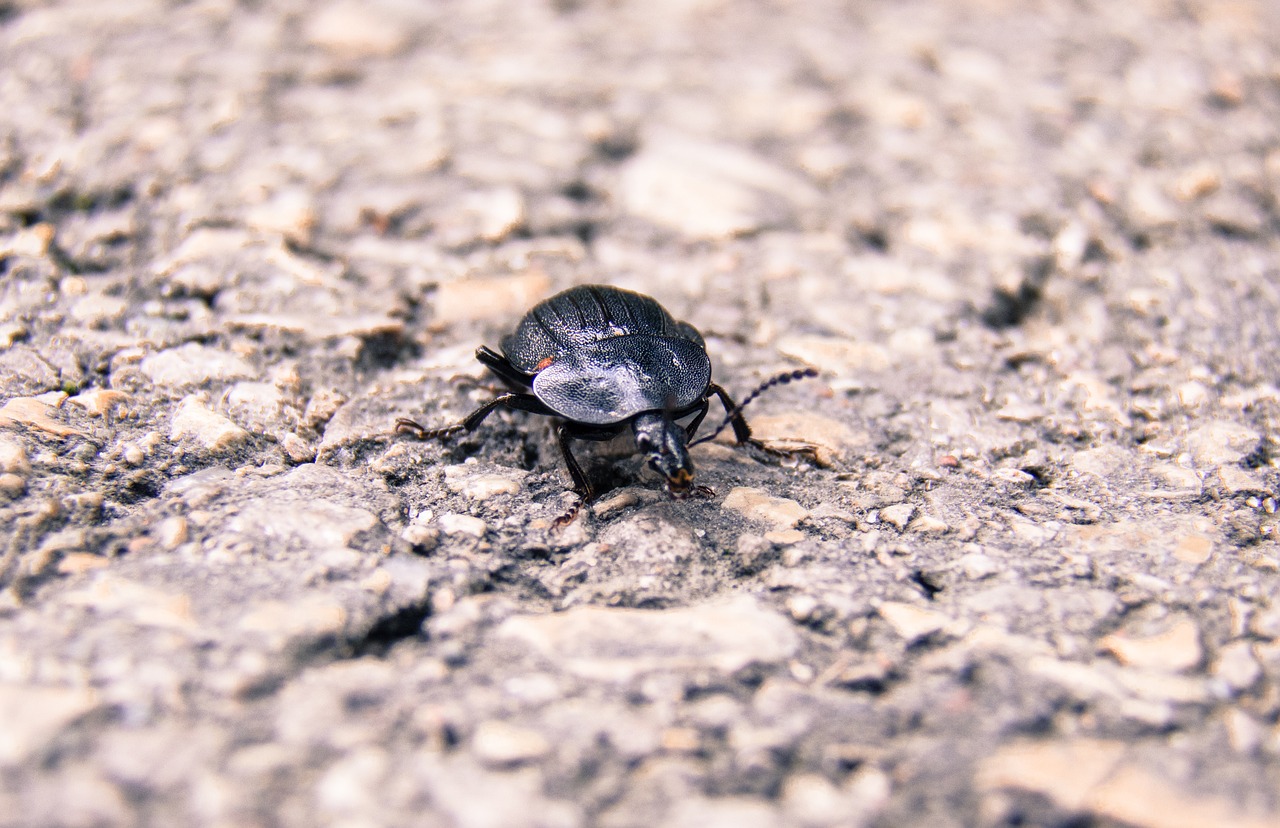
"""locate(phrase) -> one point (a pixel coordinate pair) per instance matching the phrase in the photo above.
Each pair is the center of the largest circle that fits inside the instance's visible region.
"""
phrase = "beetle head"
(664, 442)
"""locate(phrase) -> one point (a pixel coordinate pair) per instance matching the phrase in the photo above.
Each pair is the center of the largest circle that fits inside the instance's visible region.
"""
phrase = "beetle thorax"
(664, 442)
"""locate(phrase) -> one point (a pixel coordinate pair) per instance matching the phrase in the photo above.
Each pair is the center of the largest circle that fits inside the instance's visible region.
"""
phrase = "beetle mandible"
(602, 359)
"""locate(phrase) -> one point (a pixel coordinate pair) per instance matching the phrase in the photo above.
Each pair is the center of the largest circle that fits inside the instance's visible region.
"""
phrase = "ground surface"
(1029, 577)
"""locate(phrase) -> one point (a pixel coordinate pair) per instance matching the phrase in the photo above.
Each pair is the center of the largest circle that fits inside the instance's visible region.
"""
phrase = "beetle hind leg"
(517, 402)
(406, 426)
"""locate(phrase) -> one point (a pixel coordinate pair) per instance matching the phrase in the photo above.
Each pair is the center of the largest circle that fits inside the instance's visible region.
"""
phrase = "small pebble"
(802, 607)
(1017, 477)
(912, 623)
(466, 481)
(929, 525)
(13, 457)
(78, 563)
(1235, 480)
(784, 537)
(499, 744)
(297, 449)
(455, 524)
(1174, 650)
(12, 485)
(171, 532)
(1237, 666)
(898, 515)
(423, 538)
(34, 413)
(977, 566)
(756, 504)
(194, 420)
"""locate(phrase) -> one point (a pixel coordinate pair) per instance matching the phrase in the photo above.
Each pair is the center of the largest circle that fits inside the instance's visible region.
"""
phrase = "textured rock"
(1091, 777)
(33, 715)
(259, 407)
(499, 744)
(100, 402)
(1221, 442)
(910, 622)
(620, 644)
(194, 420)
(1237, 666)
(308, 619)
(1030, 252)
(898, 516)
(502, 298)
(468, 481)
(194, 365)
(1177, 648)
(13, 457)
(30, 412)
(827, 440)
(313, 524)
(756, 504)
(455, 524)
(709, 190)
(357, 30)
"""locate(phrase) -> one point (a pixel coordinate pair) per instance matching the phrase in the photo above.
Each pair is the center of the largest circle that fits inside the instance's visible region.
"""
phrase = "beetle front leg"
(741, 431)
(733, 411)
(692, 427)
(581, 484)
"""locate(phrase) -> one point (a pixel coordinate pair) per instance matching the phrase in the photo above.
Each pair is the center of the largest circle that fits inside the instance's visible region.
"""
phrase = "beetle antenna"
(781, 379)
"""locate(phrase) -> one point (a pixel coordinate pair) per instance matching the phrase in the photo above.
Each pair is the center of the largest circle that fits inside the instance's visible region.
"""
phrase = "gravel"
(1019, 563)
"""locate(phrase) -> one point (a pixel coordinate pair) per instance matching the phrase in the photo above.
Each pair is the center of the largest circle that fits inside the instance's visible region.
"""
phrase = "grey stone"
(35, 715)
(193, 420)
(758, 505)
(1028, 249)
(1221, 442)
(500, 744)
(709, 190)
(194, 365)
(620, 644)
(13, 457)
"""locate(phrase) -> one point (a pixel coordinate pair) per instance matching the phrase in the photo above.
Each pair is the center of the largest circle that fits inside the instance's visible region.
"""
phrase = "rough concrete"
(1022, 568)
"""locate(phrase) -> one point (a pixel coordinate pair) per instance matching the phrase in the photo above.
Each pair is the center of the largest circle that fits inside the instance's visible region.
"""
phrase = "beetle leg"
(568, 517)
(406, 426)
(733, 411)
(580, 483)
(692, 427)
(580, 431)
(502, 367)
(741, 431)
(518, 402)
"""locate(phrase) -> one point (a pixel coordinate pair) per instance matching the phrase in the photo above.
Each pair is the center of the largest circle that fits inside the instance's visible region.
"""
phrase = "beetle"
(603, 359)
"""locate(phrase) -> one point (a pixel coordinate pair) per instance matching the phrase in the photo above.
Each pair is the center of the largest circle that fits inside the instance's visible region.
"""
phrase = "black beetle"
(601, 359)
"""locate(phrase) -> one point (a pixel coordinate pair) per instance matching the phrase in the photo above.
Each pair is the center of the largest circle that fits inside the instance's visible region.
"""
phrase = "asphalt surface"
(1014, 559)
